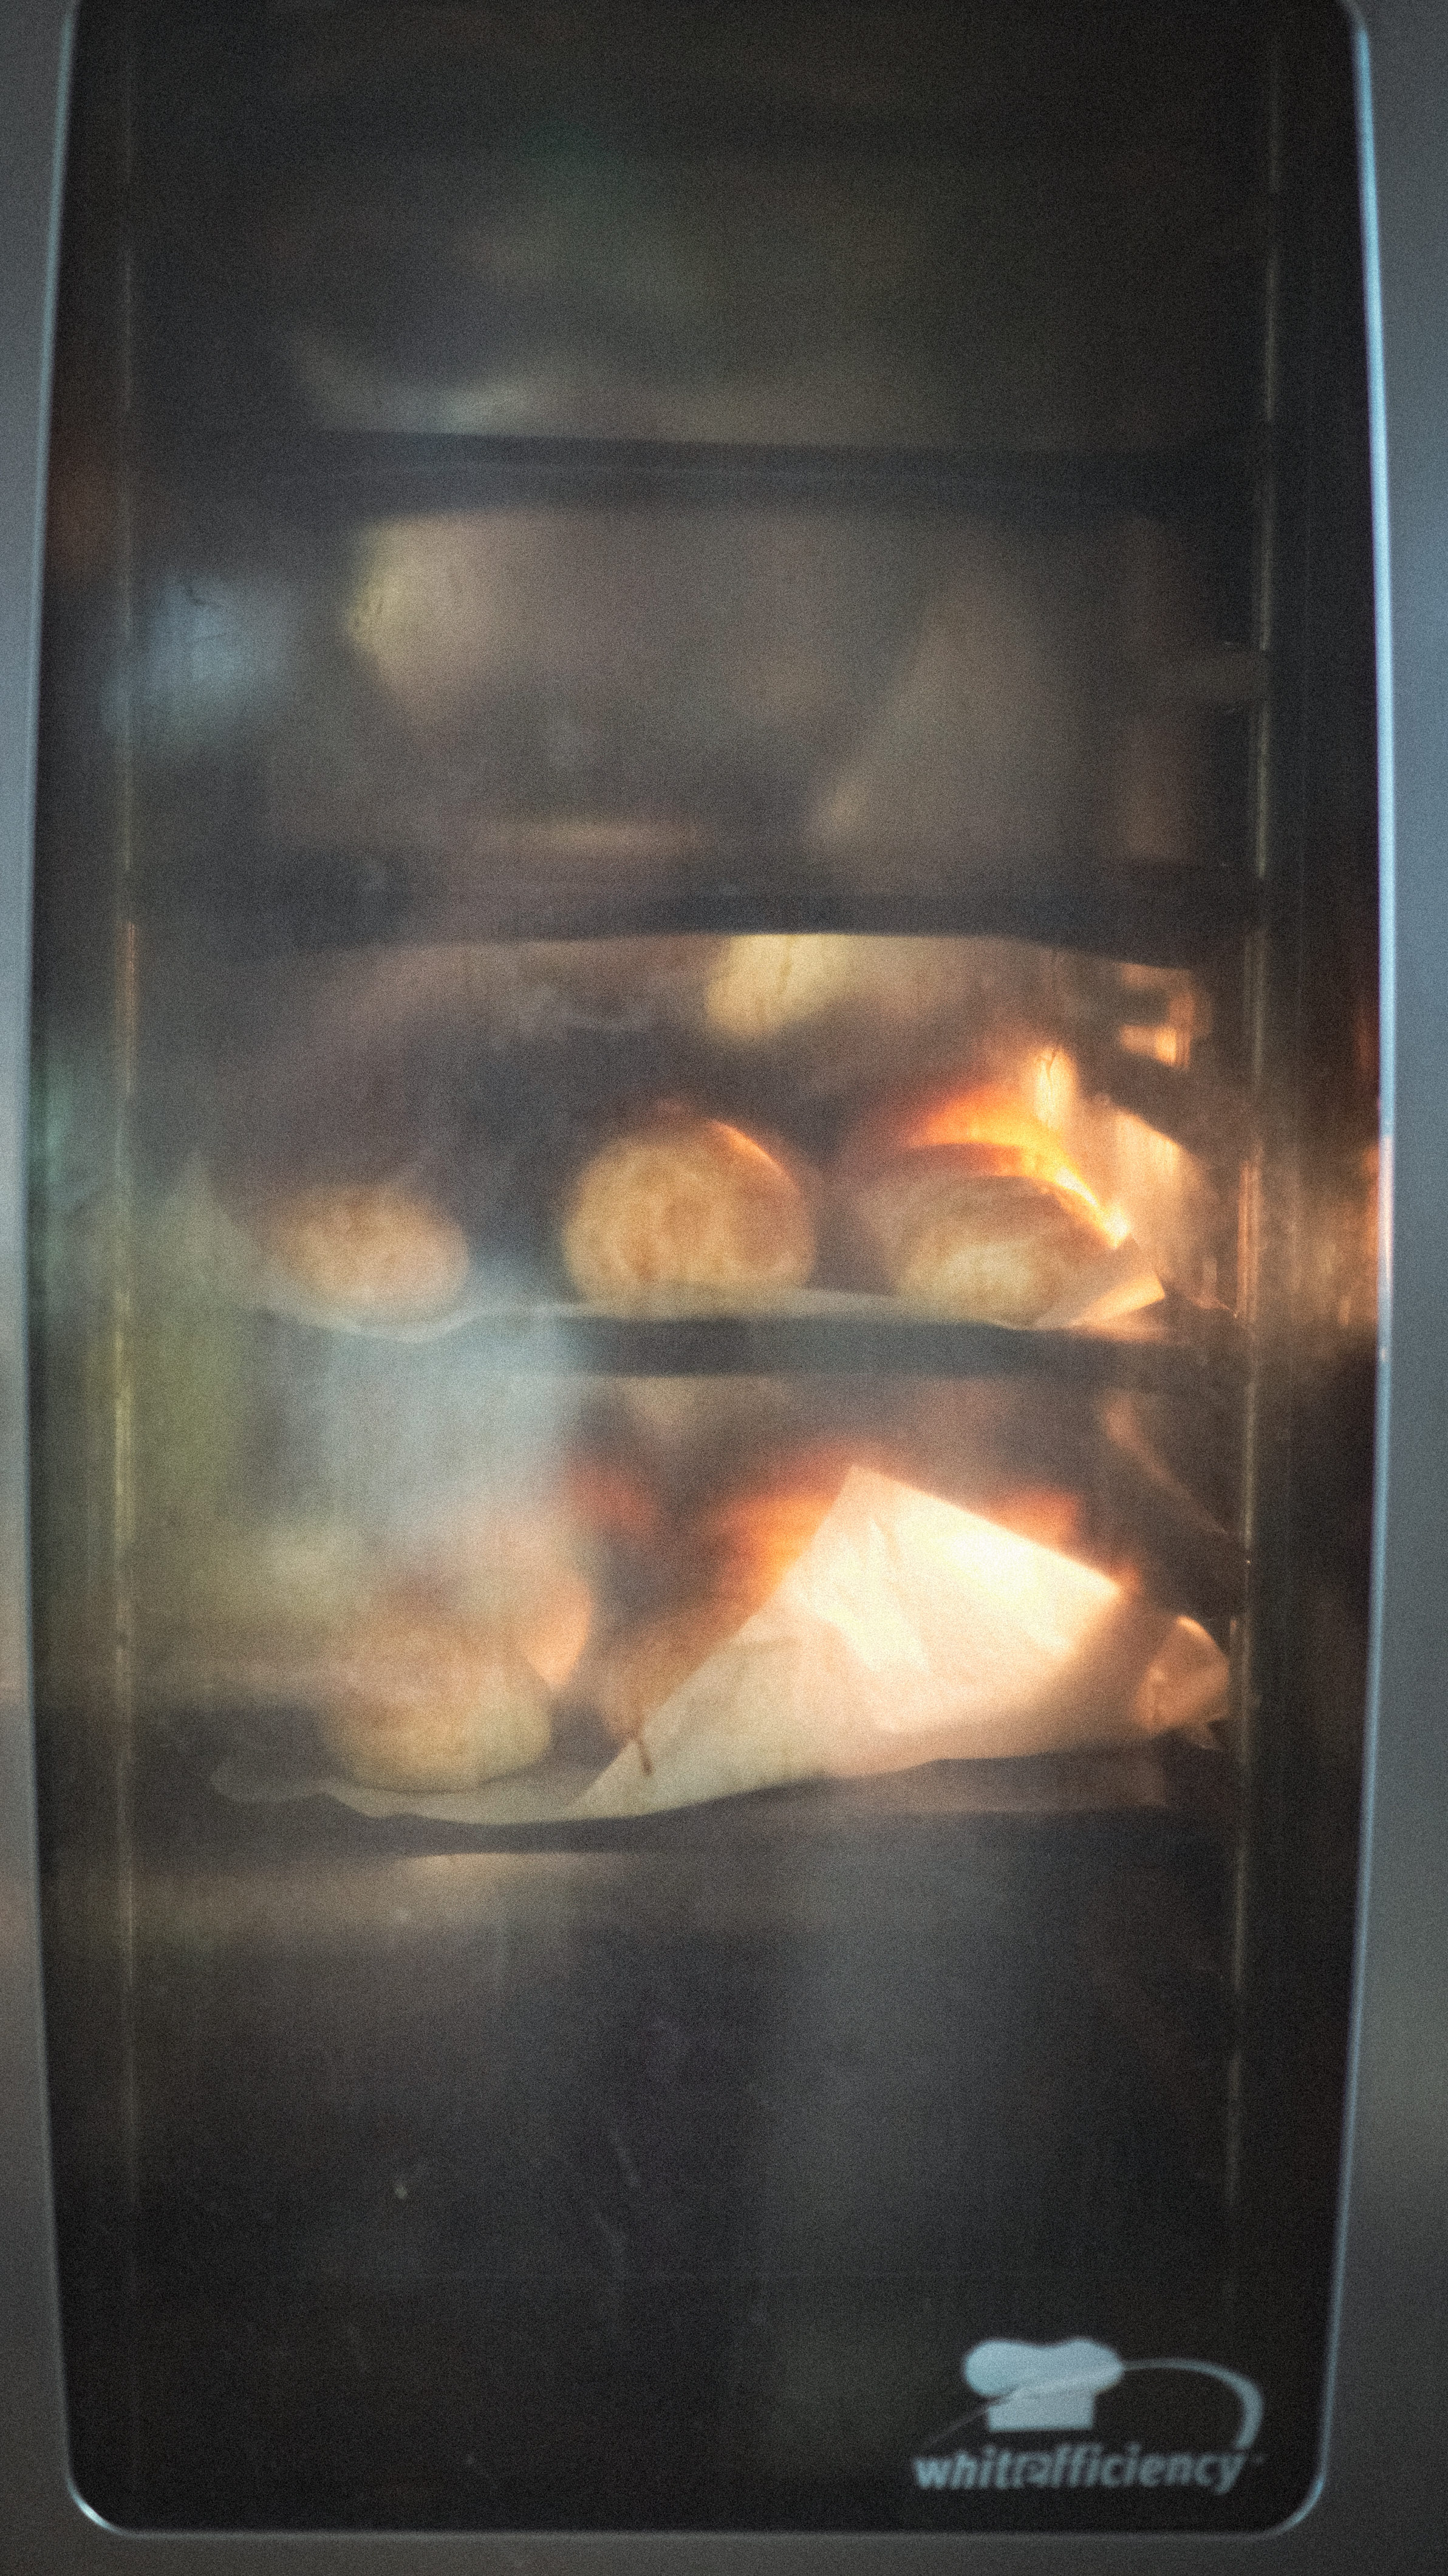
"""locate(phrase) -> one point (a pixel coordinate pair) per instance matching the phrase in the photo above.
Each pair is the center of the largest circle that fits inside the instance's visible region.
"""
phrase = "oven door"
(703, 1265)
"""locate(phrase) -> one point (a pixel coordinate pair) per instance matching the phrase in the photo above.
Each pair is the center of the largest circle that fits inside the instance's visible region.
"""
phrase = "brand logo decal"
(1053, 2388)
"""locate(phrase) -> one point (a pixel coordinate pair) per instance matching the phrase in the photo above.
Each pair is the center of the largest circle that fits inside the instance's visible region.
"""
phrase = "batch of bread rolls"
(830, 1618)
(960, 1205)
(748, 1589)
(809, 1607)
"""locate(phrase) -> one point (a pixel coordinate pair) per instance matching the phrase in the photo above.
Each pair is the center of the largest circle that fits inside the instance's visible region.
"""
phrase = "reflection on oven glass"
(631, 689)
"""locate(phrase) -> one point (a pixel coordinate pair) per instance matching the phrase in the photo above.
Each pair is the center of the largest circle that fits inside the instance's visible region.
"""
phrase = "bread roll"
(367, 1251)
(686, 1207)
(424, 1701)
(1006, 1135)
(772, 980)
(966, 1203)
(985, 1246)
(515, 1573)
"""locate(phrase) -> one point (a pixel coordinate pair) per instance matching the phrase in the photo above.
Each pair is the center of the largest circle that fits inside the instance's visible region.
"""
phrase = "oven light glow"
(989, 1115)
(1055, 1087)
(1163, 1043)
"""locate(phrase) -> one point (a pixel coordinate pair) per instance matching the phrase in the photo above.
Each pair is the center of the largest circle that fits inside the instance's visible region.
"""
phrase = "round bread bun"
(426, 1701)
(772, 980)
(366, 1250)
(981, 1245)
(515, 1574)
(987, 1116)
(686, 1207)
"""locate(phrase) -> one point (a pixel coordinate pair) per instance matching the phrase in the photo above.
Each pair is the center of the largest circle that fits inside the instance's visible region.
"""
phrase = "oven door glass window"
(703, 1262)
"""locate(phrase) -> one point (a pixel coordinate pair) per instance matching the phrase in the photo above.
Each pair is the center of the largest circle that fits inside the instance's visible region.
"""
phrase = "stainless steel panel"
(33, 67)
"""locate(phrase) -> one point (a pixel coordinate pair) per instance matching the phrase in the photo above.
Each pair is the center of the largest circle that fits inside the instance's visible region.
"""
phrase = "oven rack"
(269, 897)
(1193, 1351)
(329, 476)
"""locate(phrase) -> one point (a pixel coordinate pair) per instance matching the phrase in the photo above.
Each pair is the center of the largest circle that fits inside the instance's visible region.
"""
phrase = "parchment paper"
(910, 1631)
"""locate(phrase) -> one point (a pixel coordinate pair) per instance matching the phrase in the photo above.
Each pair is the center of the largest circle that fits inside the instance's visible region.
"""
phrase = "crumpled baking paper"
(910, 1631)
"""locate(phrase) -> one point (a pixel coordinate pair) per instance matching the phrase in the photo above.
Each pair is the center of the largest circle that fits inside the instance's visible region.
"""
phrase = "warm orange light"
(987, 1115)
(1016, 1140)
(747, 1146)
(1045, 1513)
(1158, 1040)
(762, 1537)
(757, 1535)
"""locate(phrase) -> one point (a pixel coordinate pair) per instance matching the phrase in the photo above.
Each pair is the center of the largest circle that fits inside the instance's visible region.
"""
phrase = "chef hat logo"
(1041, 2387)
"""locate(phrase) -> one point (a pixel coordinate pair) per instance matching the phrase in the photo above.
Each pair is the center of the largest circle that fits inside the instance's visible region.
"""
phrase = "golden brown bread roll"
(984, 1246)
(993, 1122)
(686, 1206)
(967, 1204)
(424, 1701)
(368, 1251)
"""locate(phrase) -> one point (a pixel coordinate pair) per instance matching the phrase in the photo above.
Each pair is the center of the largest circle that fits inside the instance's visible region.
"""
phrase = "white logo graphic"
(1053, 2388)
(1043, 2387)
